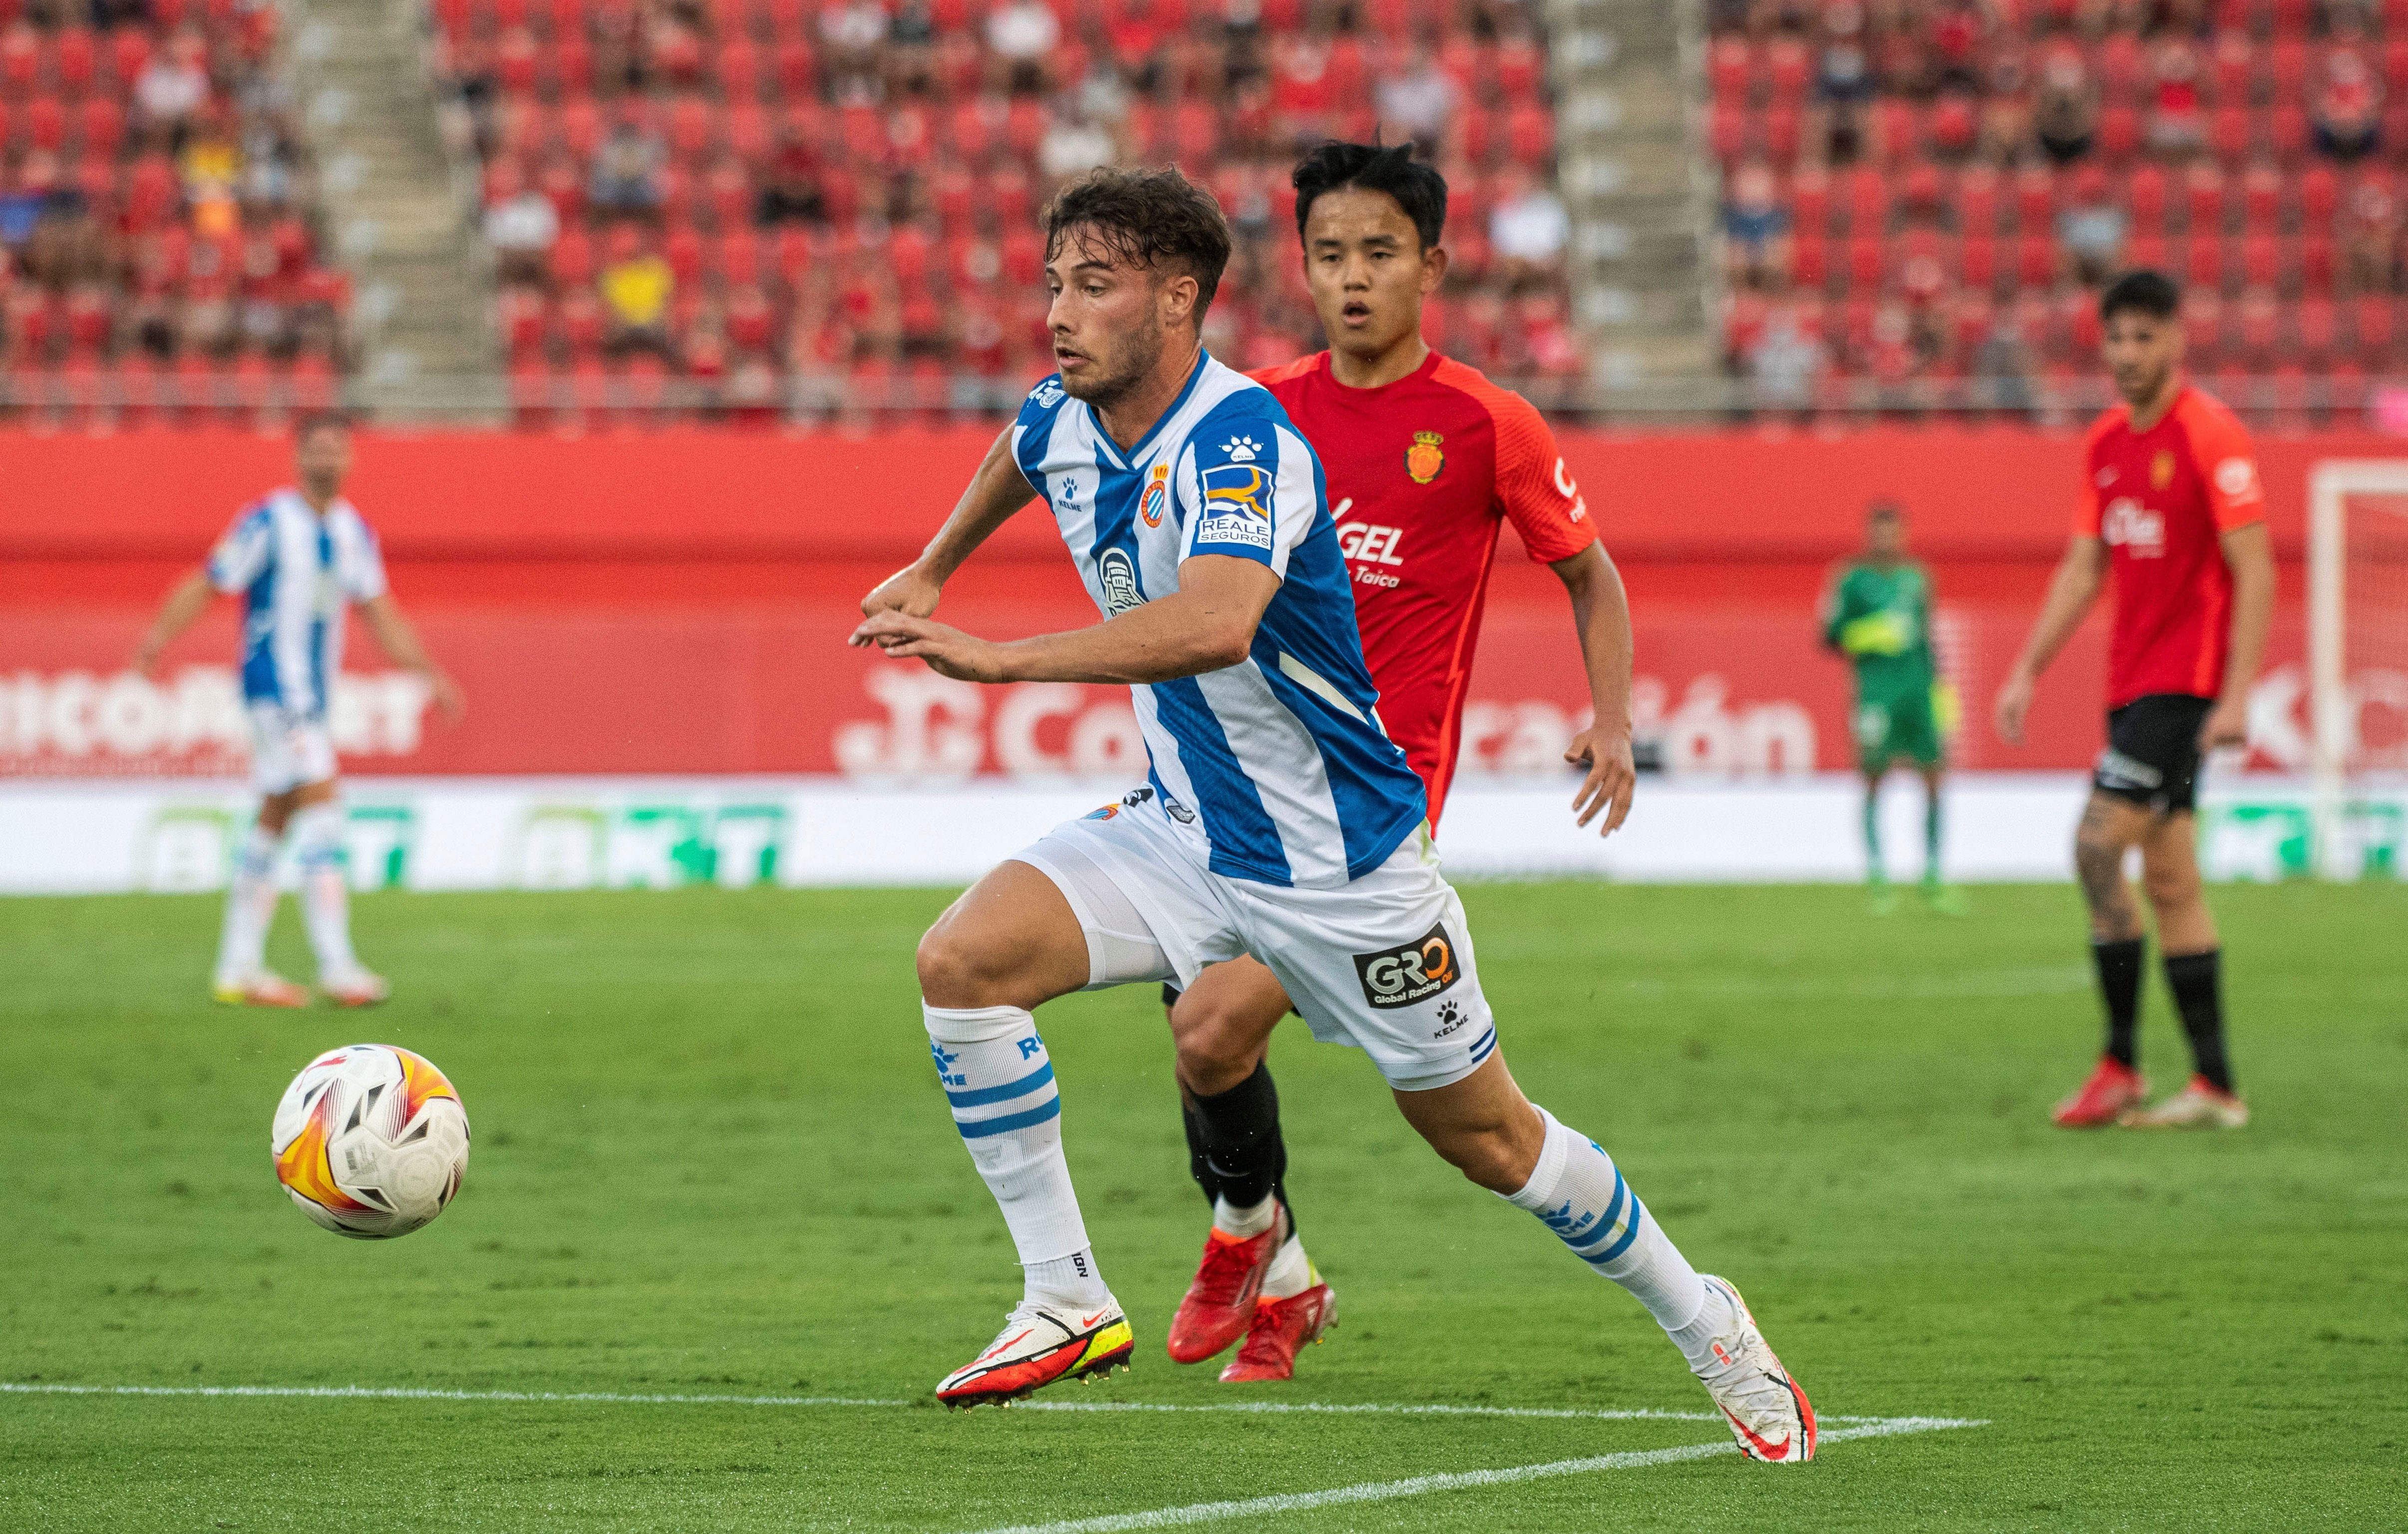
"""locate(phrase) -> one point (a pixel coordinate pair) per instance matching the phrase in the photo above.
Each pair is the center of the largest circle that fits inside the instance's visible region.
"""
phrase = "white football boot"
(2196, 1106)
(355, 988)
(1767, 1413)
(1041, 1344)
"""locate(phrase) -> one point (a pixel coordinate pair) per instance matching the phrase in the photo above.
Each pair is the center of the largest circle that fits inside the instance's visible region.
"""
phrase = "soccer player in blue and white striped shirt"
(1278, 819)
(299, 558)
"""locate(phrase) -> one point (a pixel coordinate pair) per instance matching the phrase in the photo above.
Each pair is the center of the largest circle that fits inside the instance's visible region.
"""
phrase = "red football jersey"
(1420, 473)
(2162, 500)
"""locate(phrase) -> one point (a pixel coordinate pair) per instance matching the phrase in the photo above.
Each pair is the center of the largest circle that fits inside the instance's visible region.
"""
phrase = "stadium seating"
(787, 200)
(158, 248)
(1934, 189)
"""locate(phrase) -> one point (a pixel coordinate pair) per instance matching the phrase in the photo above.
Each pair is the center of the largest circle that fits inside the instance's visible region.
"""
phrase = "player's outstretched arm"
(186, 602)
(1602, 618)
(2250, 554)
(1207, 623)
(399, 641)
(996, 491)
(2070, 592)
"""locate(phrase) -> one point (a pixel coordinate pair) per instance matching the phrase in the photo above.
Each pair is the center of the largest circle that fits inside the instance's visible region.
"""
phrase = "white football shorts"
(288, 750)
(1383, 964)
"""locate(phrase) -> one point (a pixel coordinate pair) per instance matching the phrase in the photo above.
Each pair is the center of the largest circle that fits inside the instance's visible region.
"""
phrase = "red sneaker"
(1220, 1303)
(2113, 1087)
(1280, 1329)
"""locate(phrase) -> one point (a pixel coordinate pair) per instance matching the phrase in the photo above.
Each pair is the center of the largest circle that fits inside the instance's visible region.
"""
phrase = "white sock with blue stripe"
(1580, 1195)
(325, 894)
(999, 1083)
(250, 907)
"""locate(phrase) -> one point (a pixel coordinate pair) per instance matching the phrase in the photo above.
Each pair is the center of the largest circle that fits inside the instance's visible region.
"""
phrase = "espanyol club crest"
(1155, 497)
(1425, 458)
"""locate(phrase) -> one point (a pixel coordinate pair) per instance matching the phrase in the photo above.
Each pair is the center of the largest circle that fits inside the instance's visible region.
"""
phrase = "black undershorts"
(2152, 755)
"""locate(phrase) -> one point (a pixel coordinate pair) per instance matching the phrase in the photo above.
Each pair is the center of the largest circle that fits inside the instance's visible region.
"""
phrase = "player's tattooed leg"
(2099, 847)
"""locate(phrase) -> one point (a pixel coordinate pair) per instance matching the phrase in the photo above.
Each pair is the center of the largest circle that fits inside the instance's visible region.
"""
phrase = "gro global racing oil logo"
(1417, 972)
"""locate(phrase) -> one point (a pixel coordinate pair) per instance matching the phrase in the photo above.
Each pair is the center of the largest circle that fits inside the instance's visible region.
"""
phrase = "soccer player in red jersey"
(2171, 509)
(1426, 459)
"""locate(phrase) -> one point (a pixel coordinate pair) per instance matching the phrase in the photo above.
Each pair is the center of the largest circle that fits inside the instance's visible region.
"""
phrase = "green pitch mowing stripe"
(617, 1398)
(1422, 1485)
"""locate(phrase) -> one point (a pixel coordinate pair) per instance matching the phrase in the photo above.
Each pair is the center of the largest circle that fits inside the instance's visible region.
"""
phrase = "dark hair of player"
(1885, 512)
(320, 420)
(1147, 218)
(1418, 188)
(2152, 293)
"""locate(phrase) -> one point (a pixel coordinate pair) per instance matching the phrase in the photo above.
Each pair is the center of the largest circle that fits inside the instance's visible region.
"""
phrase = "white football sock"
(249, 907)
(999, 1082)
(1230, 1220)
(325, 893)
(1578, 1193)
(1291, 1273)
(1071, 1281)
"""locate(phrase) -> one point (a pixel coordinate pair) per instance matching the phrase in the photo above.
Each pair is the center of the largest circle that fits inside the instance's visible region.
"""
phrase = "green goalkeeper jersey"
(1881, 620)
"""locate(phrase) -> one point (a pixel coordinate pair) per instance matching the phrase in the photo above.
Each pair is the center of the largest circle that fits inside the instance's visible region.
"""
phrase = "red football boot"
(1220, 1303)
(2113, 1088)
(1280, 1329)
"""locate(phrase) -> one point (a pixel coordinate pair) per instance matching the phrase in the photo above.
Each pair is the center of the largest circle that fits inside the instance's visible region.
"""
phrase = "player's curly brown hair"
(1148, 217)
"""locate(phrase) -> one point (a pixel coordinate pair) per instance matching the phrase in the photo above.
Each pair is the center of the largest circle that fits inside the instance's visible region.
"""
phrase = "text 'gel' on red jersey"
(2163, 499)
(1422, 472)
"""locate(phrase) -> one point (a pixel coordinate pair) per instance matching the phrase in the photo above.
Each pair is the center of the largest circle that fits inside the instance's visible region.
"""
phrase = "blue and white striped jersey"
(296, 572)
(1280, 757)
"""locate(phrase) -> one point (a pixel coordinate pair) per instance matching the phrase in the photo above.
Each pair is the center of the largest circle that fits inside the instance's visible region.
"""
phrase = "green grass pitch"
(710, 1161)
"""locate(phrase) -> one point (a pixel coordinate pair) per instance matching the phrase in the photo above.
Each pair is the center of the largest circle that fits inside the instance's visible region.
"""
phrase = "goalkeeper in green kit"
(1878, 615)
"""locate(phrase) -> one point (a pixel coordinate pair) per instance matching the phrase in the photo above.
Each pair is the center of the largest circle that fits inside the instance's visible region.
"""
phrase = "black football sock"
(2119, 986)
(1199, 1165)
(2197, 981)
(1239, 1135)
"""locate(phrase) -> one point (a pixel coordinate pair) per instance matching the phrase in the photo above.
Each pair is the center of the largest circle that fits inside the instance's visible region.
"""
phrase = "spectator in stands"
(522, 228)
(2006, 110)
(1073, 145)
(1756, 228)
(636, 289)
(1527, 230)
(628, 169)
(2091, 227)
(2371, 237)
(2348, 109)
(792, 188)
(1417, 101)
(2064, 107)
(22, 203)
(1023, 34)
(1843, 79)
(175, 84)
(1785, 362)
(2176, 124)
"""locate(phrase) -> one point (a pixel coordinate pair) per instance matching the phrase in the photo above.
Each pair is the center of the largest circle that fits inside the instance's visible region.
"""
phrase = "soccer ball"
(370, 1141)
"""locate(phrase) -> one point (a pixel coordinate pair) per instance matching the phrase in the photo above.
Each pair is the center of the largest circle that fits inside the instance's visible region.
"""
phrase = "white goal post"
(2358, 575)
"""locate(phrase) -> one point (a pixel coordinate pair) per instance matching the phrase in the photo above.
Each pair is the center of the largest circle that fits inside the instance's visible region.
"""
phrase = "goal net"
(2358, 662)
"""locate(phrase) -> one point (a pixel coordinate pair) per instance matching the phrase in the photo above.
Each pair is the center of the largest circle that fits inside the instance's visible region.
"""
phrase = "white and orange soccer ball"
(370, 1141)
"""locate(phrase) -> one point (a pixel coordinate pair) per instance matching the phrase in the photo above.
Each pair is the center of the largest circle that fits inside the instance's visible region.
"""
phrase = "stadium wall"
(673, 603)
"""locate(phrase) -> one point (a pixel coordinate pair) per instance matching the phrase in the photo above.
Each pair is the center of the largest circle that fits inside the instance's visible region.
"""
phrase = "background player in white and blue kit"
(1278, 819)
(299, 559)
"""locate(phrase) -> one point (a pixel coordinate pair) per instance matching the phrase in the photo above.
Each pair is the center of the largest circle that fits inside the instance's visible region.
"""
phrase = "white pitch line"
(608, 1398)
(1423, 1485)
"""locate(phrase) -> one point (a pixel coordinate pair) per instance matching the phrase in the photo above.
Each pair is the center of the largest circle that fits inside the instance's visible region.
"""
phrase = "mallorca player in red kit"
(2172, 509)
(1425, 460)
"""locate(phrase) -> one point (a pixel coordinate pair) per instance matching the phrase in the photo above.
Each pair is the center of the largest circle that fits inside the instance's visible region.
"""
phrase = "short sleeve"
(1534, 487)
(363, 574)
(1248, 486)
(2085, 492)
(1035, 425)
(242, 553)
(2228, 465)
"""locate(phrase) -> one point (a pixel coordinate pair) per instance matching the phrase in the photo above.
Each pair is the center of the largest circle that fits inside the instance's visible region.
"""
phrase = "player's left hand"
(949, 652)
(1611, 780)
(2225, 724)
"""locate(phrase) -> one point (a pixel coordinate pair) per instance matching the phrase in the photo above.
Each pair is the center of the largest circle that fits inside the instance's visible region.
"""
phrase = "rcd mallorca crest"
(1425, 458)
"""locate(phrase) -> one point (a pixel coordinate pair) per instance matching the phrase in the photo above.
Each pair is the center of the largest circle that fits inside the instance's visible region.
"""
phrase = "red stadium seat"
(1810, 200)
